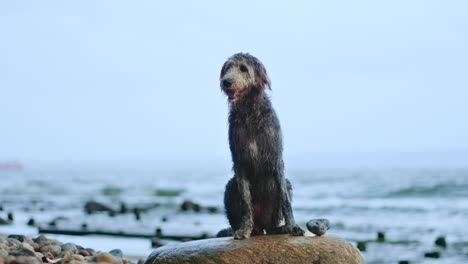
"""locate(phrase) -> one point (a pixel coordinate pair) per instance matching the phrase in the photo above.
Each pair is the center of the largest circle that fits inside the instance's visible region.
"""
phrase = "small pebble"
(26, 246)
(69, 247)
(83, 252)
(23, 252)
(91, 251)
(106, 258)
(17, 237)
(318, 226)
(116, 253)
(13, 242)
(53, 249)
(403, 262)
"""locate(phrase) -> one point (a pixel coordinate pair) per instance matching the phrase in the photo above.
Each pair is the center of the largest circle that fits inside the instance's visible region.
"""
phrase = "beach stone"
(91, 251)
(106, 258)
(318, 226)
(116, 253)
(23, 252)
(260, 249)
(3, 252)
(11, 242)
(84, 253)
(27, 260)
(53, 249)
(69, 247)
(26, 246)
(20, 238)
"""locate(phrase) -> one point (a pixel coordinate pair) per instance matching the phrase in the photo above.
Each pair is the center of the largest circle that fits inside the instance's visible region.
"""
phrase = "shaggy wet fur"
(258, 198)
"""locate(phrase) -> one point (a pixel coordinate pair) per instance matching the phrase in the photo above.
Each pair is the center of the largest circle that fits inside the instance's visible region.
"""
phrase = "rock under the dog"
(260, 249)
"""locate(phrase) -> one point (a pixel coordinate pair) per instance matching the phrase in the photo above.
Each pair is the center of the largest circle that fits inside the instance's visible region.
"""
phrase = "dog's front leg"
(246, 225)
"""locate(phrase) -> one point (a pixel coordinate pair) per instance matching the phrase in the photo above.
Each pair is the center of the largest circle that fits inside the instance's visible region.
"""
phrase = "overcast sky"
(139, 79)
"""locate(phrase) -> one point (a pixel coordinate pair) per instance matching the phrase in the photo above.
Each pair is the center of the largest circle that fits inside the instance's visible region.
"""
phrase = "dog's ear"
(223, 69)
(264, 81)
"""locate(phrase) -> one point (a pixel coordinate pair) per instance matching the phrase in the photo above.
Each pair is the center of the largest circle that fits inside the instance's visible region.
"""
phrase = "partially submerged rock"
(260, 249)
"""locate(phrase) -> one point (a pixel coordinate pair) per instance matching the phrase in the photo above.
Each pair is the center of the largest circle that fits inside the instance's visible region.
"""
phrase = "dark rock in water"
(155, 243)
(31, 222)
(164, 219)
(433, 254)
(362, 245)
(441, 242)
(116, 253)
(403, 262)
(188, 205)
(212, 209)
(260, 249)
(84, 226)
(1, 208)
(10, 217)
(93, 207)
(380, 236)
(20, 238)
(123, 208)
(158, 232)
(137, 213)
(4, 222)
(318, 226)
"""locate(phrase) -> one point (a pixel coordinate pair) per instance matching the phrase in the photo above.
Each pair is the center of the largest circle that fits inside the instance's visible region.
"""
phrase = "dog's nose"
(227, 83)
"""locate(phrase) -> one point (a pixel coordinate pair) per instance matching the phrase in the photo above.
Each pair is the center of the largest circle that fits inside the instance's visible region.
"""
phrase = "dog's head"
(243, 75)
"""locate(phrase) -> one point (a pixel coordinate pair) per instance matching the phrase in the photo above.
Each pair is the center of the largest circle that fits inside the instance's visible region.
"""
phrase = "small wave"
(438, 190)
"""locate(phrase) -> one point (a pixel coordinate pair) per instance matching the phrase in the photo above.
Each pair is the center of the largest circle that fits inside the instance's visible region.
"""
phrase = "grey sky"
(139, 79)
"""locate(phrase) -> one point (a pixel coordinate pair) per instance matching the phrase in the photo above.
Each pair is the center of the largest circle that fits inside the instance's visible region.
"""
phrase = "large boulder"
(266, 249)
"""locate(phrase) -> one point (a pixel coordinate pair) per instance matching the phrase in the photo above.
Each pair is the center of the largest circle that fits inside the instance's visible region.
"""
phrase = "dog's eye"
(243, 68)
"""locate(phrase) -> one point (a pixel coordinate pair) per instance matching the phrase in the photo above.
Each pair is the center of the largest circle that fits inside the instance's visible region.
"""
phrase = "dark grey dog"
(258, 197)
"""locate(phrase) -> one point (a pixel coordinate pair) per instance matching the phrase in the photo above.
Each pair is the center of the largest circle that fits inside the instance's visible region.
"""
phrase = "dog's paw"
(241, 234)
(295, 230)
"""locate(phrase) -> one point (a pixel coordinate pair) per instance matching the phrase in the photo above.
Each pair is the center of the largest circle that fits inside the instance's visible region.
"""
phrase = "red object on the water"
(16, 166)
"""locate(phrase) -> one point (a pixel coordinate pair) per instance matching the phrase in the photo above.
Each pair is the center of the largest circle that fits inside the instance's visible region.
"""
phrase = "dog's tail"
(226, 232)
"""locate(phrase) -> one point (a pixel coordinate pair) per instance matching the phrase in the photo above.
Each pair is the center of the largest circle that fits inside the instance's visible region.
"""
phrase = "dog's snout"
(227, 83)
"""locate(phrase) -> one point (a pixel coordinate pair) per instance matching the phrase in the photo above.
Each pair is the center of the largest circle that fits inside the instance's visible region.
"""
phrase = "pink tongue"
(231, 95)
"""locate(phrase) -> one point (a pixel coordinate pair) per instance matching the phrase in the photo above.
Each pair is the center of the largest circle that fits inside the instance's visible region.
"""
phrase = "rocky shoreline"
(19, 249)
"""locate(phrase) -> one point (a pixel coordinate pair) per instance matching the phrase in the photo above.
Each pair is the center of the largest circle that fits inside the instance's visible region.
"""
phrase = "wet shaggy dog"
(258, 198)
